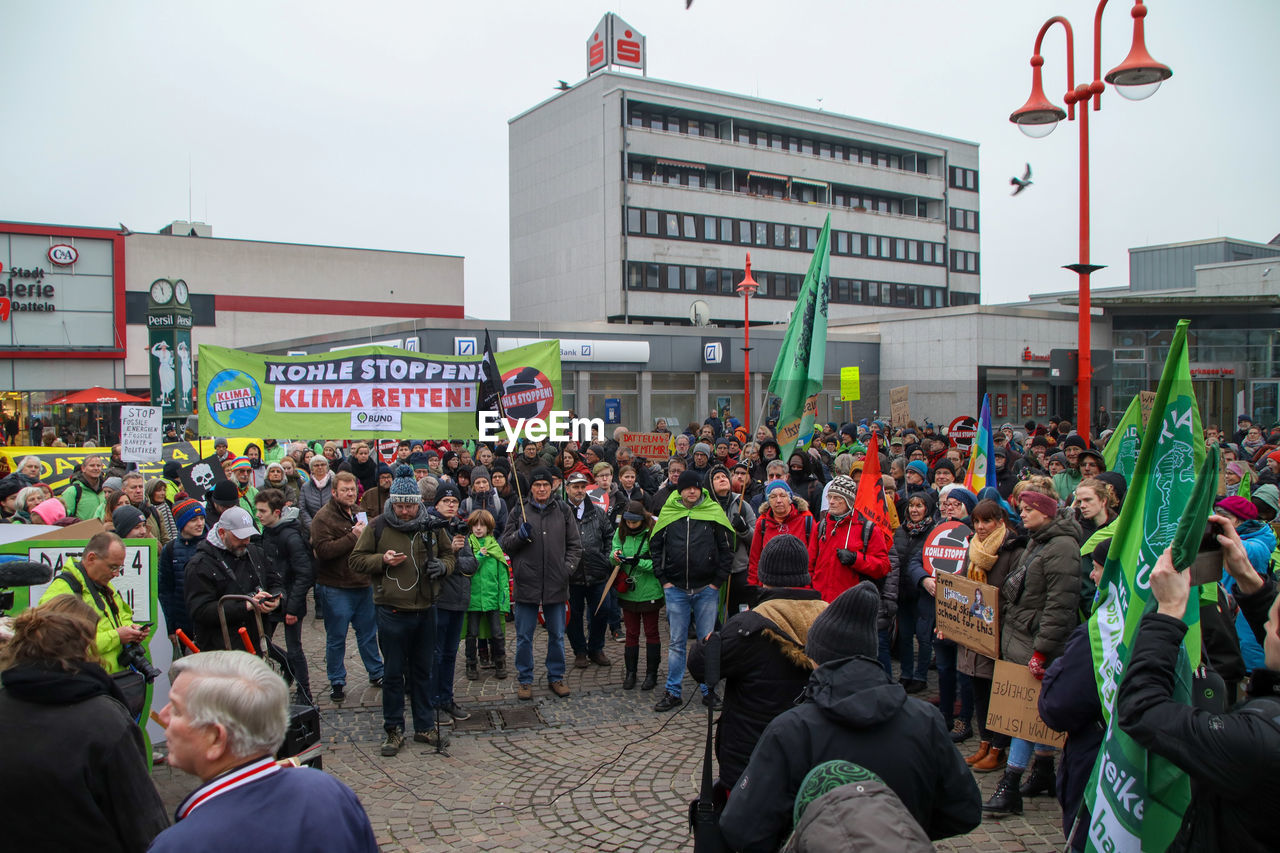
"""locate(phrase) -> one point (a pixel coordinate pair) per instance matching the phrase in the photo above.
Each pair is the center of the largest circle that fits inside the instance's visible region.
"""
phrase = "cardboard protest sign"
(648, 445)
(946, 547)
(141, 437)
(58, 463)
(899, 408)
(1147, 402)
(968, 613)
(1014, 694)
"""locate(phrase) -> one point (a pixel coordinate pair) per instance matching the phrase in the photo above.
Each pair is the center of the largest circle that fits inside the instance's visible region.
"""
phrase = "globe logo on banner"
(527, 393)
(233, 399)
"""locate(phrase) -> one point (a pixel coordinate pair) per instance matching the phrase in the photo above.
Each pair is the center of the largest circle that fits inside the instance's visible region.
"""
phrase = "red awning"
(97, 395)
(682, 164)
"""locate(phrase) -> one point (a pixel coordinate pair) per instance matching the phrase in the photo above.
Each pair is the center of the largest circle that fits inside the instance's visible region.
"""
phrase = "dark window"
(873, 292)
(637, 118)
(744, 231)
(651, 223)
(900, 249)
(745, 136)
(656, 123)
(709, 278)
(695, 179)
(635, 276)
(806, 146)
(793, 236)
(810, 239)
(793, 286)
(709, 128)
(779, 236)
(633, 220)
(971, 220)
(651, 276)
(762, 233)
(726, 281)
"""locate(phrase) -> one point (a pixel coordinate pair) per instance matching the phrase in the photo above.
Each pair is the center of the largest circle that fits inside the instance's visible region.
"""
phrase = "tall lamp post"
(1138, 77)
(747, 287)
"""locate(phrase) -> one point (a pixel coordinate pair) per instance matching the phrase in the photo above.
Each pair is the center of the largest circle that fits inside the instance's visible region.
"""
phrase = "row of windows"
(775, 285)
(827, 148)
(697, 175)
(963, 220)
(964, 261)
(776, 235)
(962, 179)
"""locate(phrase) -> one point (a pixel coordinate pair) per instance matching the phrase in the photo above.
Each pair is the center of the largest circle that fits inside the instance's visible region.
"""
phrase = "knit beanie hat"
(845, 488)
(776, 484)
(10, 486)
(446, 489)
(418, 460)
(702, 447)
(125, 518)
(1241, 508)
(1267, 495)
(50, 512)
(785, 562)
(825, 778)
(1099, 555)
(966, 497)
(479, 472)
(542, 472)
(271, 465)
(920, 468)
(689, 479)
(1074, 441)
(172, 470)
(847, 628)
(384, 468)
(240, 463)
(115, 484)
(404, 489)
(225, 493)
(186, 510)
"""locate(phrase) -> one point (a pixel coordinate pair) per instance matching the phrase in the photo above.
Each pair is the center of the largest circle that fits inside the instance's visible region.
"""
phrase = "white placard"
(141, 437)
(132, 583)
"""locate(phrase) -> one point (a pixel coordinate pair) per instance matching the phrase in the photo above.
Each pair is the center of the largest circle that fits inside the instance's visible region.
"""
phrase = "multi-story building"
(631, 198)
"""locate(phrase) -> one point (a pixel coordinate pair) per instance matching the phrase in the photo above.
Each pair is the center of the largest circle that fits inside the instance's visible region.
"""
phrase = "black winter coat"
(765, 671)
(853, 712)
(214, 572)
(287, 552)
(691, 553)
(596, 533)
(1069, 703)
(541, 565)
(1231, 758)
(171, 578)
(905, 548)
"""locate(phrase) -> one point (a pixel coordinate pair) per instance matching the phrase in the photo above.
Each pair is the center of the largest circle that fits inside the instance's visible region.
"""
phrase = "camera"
(456, 526)
(1207, 566)
(135, 658)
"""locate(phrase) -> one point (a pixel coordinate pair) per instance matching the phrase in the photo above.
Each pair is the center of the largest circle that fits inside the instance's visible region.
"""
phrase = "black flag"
(491, 384)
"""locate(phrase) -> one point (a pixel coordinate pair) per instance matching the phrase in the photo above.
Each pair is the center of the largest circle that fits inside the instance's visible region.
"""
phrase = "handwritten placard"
(1014, 694)
(141, 438)
(968, 612)
(648, 445)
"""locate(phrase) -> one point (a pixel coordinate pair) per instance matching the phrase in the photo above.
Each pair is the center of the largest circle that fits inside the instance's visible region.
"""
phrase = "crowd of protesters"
(826, 618)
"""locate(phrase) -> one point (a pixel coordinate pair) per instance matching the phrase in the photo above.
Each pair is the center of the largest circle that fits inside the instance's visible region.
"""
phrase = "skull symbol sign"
(202, 476)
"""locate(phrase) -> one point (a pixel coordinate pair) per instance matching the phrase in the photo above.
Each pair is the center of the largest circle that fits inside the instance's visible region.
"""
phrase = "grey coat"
(311, 498)
(541, 566)
(1040, 596)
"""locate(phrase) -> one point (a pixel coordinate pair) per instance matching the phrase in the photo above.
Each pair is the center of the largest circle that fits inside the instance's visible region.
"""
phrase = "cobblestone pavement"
(598, 770)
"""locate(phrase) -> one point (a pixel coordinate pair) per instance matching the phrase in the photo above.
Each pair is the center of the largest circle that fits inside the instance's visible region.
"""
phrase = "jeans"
(613, 610)
(583, 599)
(294, 659)
(884, 653)
(448, 635)
(1020, 752)
(949, 679)
(526, 621)
(345, 608)
(408, 639)
(915, 626)
(681, 605)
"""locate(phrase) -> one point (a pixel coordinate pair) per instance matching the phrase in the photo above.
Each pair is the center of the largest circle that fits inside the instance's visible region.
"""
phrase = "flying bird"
(563, 86)
(124, 229)
(1020, 184)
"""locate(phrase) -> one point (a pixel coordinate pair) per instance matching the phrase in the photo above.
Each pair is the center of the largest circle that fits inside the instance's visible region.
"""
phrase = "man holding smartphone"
(227, 563)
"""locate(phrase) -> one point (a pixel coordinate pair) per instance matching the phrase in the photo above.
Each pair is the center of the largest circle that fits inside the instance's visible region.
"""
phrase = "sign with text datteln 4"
(648, 445)
(1014, 694)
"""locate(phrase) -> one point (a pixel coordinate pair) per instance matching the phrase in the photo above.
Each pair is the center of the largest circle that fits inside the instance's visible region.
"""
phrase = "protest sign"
(946, 547)
(141, 438)
(899, 407)
(364, 392)
(201, 476)
(648, 445)
(968, 613)
(1147, 402)
(58, 463)
(962, 431)
(850, 383)
(1014, 694)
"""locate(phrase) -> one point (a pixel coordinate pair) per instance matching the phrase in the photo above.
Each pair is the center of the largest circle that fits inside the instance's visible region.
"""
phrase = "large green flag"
(1121, 452)
(797, 375)
(1136, 800)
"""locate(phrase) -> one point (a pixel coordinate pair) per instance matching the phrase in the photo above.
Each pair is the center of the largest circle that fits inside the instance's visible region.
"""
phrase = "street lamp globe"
(1038, 116)
(1139, 76)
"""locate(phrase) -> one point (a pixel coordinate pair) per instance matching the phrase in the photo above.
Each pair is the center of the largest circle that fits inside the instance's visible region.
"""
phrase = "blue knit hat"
(920, 468)
(404, 489)
(776, 484)
(966, 497)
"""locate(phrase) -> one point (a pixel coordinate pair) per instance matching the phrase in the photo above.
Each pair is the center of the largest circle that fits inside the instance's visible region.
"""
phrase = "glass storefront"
(1019, 394)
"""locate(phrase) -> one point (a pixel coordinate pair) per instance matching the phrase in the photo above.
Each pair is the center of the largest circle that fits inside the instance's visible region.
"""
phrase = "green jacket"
(648, 588)
(82, 500)
(272, 454)
(108, 641)
(1065, 484)
(491, 584)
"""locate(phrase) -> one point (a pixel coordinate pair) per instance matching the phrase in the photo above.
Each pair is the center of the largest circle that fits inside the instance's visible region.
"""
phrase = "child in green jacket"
(490, 594)
(642, 597)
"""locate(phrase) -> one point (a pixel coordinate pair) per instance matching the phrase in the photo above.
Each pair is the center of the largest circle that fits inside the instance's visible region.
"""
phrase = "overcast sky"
(384, 124)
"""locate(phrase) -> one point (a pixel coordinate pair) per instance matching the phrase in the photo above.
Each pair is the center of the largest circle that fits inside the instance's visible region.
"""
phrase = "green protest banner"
(368, 391)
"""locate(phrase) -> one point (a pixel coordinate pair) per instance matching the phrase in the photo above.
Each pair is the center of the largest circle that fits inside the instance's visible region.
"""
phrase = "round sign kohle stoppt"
(234, 399)
(946, 547)
(962, 431)
(527, 393)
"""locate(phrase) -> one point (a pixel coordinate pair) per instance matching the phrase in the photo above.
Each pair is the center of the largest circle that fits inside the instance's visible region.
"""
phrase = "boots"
(1042, 779)
(1006, 800)
(473, 674)
(983, 748)
(499, 666)
(652, 656)
(994, 760)
(631, 658)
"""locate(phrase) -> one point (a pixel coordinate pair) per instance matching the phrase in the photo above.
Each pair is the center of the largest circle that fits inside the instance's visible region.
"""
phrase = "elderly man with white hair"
(226, 717)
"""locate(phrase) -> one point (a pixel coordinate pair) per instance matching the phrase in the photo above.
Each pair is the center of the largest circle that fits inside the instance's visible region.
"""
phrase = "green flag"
(797, 375)
(1121, 452)
(1136, 800)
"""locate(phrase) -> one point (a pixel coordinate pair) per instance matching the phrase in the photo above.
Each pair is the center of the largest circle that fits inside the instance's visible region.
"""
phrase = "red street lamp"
(747, 287)
(1136, 78)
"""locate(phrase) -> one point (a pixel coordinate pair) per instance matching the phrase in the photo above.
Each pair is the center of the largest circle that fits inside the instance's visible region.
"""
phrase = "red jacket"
(830, 576)
(798, 523)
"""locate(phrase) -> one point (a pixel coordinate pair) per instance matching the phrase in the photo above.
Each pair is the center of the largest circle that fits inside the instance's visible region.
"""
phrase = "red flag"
(870, 498)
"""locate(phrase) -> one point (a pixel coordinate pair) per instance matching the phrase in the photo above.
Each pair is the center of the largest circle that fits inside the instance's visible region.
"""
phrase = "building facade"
(632, 198)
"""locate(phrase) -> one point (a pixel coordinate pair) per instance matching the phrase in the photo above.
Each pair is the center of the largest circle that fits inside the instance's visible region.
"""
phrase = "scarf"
(918, 528)
(984, 553)
(321, 482)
